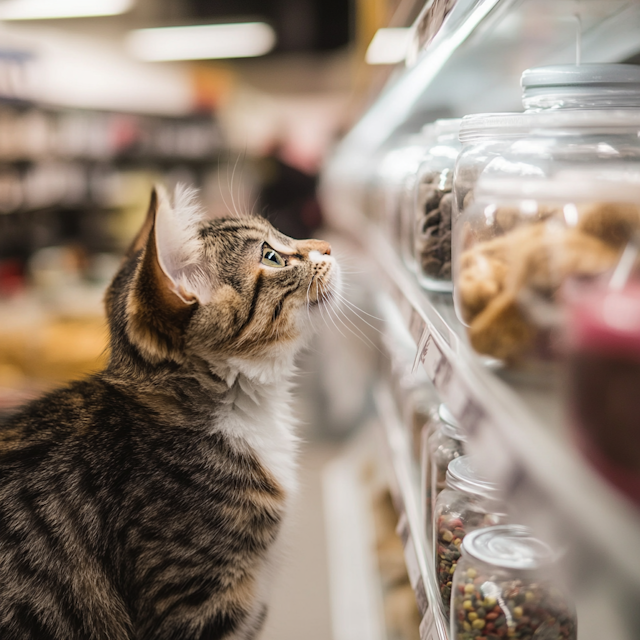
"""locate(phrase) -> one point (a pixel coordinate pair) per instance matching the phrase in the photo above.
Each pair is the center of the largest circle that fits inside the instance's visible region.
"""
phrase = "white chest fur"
(259, 415)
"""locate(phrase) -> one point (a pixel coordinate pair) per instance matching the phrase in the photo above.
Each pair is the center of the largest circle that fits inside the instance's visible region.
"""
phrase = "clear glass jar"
(445, 443)
(522, 242)
(397, 166)
(574, 115)
(428, 228)
(502, 588)
(468, 503)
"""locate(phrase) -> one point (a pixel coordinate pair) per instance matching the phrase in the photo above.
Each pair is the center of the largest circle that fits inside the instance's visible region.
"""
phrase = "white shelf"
(417, 554)
(518, 434)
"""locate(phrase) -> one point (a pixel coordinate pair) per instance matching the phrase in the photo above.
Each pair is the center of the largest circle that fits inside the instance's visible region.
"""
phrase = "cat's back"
(102, 495)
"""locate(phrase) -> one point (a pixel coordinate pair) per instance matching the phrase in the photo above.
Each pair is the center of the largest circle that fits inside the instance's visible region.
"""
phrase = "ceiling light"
(50, 9)
(202, 42)
(389, 46)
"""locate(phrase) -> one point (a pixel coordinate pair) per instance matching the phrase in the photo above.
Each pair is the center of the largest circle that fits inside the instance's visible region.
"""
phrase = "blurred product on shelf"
(604, 379)
(522, 241)
(445, 443)
(400, 610)
(429, 237)
(503, 589)
(467, 503)
(393, 181)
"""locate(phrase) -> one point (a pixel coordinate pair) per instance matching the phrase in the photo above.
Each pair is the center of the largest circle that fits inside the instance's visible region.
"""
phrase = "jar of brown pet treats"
(574, 115)
(427, 231)
(392, 180)
(523, 242)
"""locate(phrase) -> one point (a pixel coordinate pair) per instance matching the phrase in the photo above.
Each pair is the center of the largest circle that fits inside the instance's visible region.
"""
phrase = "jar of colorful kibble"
(468, 502)
(445, 443)
(502, 589)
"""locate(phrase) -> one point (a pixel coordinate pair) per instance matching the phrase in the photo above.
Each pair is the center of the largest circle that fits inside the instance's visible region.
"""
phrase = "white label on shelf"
(421, 597)
(411, 560)
(417, 326)
(402, 529)
(427, 627)
(421, 342)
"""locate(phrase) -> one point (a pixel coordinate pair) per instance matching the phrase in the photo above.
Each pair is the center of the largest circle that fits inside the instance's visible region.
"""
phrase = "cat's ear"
(169, 278)
(140, 241)
(179, 245)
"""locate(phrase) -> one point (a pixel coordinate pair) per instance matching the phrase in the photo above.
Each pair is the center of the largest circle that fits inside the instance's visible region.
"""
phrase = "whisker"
(357, 310)
(360, 335)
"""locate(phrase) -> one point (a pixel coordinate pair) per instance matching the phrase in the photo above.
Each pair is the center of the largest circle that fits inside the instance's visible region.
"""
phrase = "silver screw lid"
(463, 476)
(450, 426)
(507, 546)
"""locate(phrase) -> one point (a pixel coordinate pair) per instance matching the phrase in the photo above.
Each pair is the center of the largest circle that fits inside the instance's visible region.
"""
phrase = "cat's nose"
(322, 247)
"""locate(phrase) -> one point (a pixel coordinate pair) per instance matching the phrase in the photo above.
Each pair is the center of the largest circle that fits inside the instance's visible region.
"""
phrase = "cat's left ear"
(179, 245)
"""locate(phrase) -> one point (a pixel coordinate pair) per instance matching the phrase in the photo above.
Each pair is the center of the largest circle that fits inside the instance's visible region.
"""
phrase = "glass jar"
(467, 503)
(582, 114)
(428, 228)
(445, 443)
(397, 166)
(603, 376)
(502, 588)
(519, 246)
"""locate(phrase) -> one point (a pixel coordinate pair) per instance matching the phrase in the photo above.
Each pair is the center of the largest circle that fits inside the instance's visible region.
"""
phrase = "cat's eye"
(271, 258)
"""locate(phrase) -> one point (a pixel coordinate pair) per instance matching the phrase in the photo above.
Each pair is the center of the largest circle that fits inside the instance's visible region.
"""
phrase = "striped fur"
(145, 501)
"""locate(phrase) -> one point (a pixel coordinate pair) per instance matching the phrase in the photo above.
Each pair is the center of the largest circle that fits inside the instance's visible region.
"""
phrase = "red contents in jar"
(604, 382)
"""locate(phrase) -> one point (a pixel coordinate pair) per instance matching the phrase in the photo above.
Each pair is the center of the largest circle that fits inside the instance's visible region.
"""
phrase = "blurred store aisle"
(300, 601)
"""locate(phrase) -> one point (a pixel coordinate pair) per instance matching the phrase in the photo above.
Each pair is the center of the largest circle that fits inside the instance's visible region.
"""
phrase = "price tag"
(421, 597)
(422, 346)
(427, 627)
(411, 560)
(431, 357)
(417, 326)
(402, 529)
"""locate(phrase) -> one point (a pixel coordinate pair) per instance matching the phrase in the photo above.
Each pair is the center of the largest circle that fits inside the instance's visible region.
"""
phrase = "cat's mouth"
(322, 287)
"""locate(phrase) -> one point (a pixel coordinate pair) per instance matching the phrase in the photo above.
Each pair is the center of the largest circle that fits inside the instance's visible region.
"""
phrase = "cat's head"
(224, 290)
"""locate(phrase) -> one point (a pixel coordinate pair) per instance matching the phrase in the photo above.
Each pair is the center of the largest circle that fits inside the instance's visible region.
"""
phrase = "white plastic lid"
(463, 476)
(584, 86)
(441, 127)
(558, 75)
(450, 426)
(507, 546)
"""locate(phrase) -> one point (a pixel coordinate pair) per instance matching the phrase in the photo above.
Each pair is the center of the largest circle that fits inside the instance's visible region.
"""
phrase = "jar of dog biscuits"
(574, 114)
(523, 242)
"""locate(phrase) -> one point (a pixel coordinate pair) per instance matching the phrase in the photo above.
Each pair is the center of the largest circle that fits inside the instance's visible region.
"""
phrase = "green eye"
(271, 258)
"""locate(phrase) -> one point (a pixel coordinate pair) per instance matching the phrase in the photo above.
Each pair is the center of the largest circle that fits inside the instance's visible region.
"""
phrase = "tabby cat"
(145, 501)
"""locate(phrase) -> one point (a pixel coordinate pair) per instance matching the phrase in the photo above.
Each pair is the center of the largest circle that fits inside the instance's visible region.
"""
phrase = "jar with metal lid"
(502, 588)
(523, 241)
(428, 229)
(468, 502)
(445, 443)
(575, 115)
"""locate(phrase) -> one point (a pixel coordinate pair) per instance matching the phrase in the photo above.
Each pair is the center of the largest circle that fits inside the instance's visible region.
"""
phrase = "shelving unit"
(517, 427)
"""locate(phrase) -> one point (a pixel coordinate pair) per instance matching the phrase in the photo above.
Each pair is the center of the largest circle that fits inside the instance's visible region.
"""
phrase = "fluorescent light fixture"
(202, 42)
(389, 46)
(51, 9)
